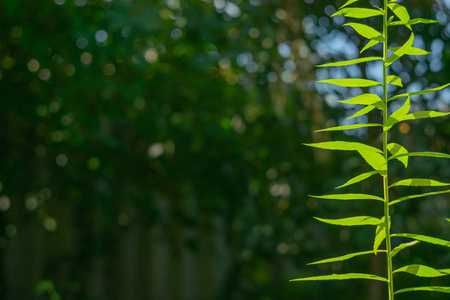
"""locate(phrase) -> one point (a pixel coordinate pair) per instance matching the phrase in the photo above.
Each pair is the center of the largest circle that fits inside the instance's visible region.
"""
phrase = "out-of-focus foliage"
(185, 117)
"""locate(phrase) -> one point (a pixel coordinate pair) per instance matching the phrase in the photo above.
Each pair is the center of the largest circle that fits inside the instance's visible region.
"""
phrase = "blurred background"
(153, 149)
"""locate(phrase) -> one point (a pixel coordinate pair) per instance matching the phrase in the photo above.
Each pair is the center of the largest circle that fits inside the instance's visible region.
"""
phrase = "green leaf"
(348, 3)
(349, 197)
(380, 235)
(367, 32)
(345, 257)
(348, 127)
(414, 21)
(358, 178)
(420, 271)
(351, 82)
(345, 146)
(342, 277)
(394, 80)
(401, 12)
(423, 115)
(419, 92)
(417, 196)
(397, 149)
(398, 115)
(370, 44)
(448, 220)
(350, 62)
(412, 51)
(426, 154)
(358, 13)
(441, 289)
(375, 160)
(401, 51)
(418, 182)
(403, 246)
(364, 99)
(352, 221)
(362, 112)
(423, 238)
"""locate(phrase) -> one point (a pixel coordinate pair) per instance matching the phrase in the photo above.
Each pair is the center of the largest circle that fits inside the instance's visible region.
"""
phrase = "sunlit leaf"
(341, 145)
(423, 115)
(423, 238)
(403, 246)
(370, 44)
(375, 160)
(364, 99)
(380, 235)
(420, 271)
(414, 21)
(348, 127)
(417, 196)
(397, 149)
(401, 12)
(398, 115)
(420, 92)
(401, 51)
(362, 112)
(351, 82)
(358, 13)
(426, 154)
(358, 178)
(367, 31)
(350, 62)
(440, 289)
(394, 80)
(345, 257)
(418, 182)
(412, 51)
(342, 277)
(352, 221)
(348, 3)
(349, 197)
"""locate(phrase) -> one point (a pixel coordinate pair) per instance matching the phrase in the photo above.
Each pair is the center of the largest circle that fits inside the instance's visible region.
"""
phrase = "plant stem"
(385, 153)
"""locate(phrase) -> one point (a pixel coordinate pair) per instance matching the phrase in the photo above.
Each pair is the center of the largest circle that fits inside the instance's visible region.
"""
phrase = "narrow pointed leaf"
(417, 196)
(401, 12)
(362, 112)
(348, 127)
(358, 178)
(427, 154)
(412, 51)
(414, 21)
(342, 277)
(394, 80)
(352, 221)
(351, 82)
(358, 13)
(418, 182)
(364, 99)
(423, 238)
(348, 3)
(420, 271)
(424, 115)
(350, 62)
(419, 92)
(399, 114)
(403, 246)
(440, 289)
(375, 160)
(345, 146)
(345, 257)
(398, 150)
(401, 51)
(380, 235)
(367, 31)
(370, 44)
(349, 197)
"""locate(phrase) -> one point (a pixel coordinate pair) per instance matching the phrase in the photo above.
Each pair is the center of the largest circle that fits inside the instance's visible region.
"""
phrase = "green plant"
(379, 159)
(47, 287)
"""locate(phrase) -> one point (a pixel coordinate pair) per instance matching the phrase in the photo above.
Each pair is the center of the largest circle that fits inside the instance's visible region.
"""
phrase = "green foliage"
(379, 159)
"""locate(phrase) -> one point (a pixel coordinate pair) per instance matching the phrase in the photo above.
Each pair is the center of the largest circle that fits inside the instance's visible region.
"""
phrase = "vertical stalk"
(385, 154)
